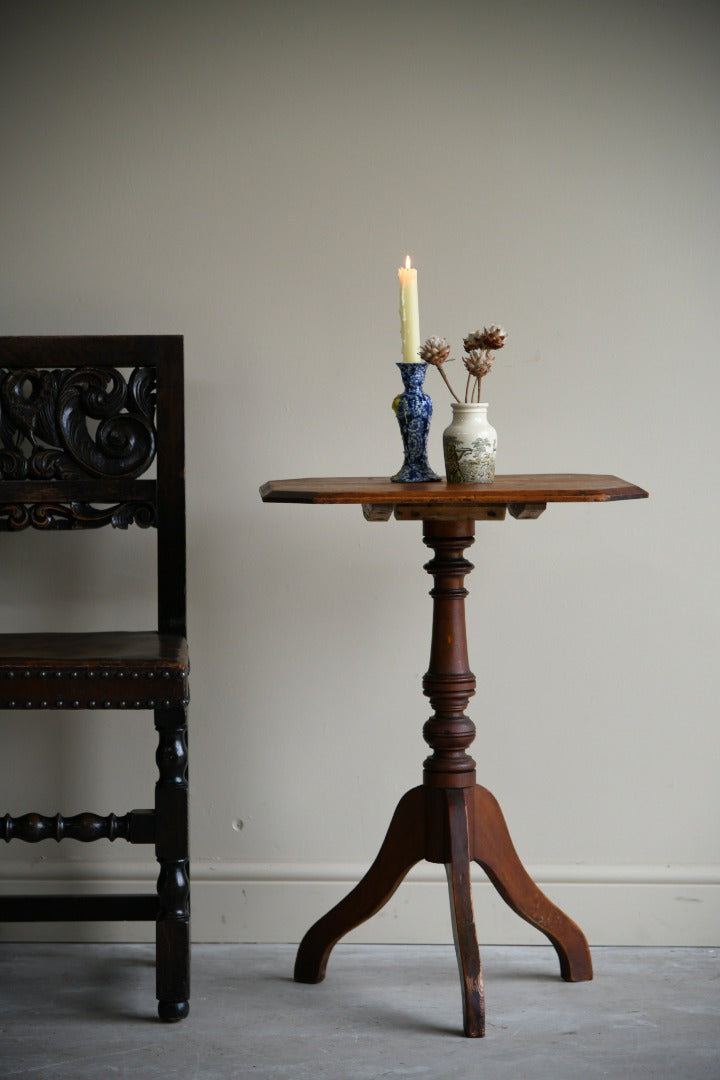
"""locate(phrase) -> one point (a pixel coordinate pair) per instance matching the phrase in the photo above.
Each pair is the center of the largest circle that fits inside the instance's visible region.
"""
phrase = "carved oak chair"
(81, 420)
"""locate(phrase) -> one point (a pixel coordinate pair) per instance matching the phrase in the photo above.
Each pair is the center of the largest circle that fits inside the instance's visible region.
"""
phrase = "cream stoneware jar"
(470, 445)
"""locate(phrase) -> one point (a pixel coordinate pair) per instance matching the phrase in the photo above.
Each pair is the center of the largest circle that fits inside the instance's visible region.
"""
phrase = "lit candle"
(409, 319)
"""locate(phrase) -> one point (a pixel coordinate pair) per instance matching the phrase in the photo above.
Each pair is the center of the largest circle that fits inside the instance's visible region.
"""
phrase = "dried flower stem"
(478, 361)
(448, 384)
(472, 394)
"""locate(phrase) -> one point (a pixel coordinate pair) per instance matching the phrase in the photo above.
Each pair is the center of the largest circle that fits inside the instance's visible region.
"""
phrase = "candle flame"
(408, 264)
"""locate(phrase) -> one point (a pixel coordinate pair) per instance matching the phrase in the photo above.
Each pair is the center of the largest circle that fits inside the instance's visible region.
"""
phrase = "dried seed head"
(478, 362)
(435, 351)
(490, 337)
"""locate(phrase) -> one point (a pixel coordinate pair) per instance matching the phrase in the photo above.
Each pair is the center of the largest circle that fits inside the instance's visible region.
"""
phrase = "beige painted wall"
(250, 175)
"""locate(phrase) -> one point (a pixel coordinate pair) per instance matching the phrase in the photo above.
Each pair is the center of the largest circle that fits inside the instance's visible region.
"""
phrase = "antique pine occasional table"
(450, 819)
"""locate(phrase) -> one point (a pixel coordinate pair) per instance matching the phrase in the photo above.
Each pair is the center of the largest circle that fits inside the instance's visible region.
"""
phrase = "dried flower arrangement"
(478, 358)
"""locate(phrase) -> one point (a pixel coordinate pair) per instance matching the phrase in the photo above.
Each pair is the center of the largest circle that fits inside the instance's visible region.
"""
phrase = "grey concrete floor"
(85, 1012)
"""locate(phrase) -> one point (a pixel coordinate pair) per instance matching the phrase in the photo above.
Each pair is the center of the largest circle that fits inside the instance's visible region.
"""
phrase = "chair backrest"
(82, 420)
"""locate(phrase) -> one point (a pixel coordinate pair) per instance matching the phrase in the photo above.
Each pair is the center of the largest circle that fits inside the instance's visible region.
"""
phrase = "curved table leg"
(402, 848)
(494, 851)
(463, 918)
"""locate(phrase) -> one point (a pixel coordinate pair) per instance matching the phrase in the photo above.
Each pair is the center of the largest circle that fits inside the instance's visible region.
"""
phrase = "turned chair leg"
(171, 850)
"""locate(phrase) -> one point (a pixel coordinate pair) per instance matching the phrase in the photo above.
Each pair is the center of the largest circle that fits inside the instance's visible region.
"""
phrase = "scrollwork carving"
(13, 464)
(28, 400)
(14, 518)
(61, 516)
(124, 443)
(64, 425)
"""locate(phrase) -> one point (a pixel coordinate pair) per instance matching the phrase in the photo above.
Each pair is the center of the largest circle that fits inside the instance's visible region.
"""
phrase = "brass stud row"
(166, 704)
(61, 674)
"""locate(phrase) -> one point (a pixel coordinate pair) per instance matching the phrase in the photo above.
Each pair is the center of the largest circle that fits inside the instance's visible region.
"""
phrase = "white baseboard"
(275, 902)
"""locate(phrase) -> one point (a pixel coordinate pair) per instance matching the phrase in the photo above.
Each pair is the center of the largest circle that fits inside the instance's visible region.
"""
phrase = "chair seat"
(111, 670)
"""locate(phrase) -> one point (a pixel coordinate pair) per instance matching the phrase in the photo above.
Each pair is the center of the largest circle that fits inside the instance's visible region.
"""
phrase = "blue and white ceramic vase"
(470, 445)
(413, 409)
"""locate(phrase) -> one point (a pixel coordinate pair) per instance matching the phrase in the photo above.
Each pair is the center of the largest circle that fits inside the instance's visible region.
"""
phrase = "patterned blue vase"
(413, 409)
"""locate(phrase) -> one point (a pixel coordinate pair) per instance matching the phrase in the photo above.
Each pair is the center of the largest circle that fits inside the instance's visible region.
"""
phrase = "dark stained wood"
(54, 468)
(104, 648)
(88, 350)
(68, 907)
(111, 670)
(513, 488)
(62, 491)
(171, 598)
(137, 827)
(172, 971)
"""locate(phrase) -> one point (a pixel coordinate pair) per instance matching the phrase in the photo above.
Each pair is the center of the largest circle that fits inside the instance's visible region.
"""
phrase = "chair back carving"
(91, 434)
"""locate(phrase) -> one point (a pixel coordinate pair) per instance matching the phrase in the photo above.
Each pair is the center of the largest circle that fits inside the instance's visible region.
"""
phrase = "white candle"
(409, 319)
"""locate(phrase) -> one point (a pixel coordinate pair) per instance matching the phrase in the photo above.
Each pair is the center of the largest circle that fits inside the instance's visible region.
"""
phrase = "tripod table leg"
(494, 851)
(461, 907)
(402, 848)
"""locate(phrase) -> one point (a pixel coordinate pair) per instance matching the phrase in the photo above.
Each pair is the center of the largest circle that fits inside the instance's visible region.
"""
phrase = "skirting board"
(272, 902)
